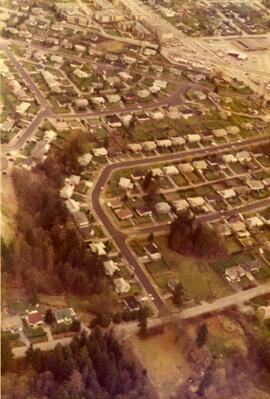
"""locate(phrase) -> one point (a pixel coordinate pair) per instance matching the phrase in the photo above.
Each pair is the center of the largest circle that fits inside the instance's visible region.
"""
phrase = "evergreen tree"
(6, 354)
(202, 335)
(49, 317)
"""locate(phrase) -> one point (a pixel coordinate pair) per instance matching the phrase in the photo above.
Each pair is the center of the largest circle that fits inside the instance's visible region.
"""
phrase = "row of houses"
(35, 319)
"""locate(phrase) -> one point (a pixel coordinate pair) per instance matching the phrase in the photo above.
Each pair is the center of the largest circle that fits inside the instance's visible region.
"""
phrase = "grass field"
(162, 355)
(196, 275)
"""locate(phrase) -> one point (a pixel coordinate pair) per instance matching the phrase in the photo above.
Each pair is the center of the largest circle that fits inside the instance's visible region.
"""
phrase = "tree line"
(90, 367)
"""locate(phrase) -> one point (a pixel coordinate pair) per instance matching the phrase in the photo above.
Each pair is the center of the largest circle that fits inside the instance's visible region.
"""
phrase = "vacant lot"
(163, 357)
(196, 276)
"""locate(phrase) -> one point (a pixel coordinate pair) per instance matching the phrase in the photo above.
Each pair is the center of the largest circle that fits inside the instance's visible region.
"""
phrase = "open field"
(162, 355)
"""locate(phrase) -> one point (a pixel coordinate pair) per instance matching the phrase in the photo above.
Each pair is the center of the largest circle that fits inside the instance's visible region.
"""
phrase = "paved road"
(237, 299)
(119, 237)
(207, 218)
(28, 80)
(27, 133)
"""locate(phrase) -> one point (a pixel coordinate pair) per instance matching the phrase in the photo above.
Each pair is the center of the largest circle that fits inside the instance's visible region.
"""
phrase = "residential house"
(196, 202)
(137, 175)
(115, 203)
(243, 156)
(125, 183)
(163, 207)
(185, 168)
(193, 138)
(255, 185)
(124, 213)
(85, 159)
(110, 267)
(200, 165)
(254, 221)
(65, 315)
(80, 219)
(121, 285)
(12, 324)
(34, 319)
(233, 129)
(144, 210)
(180, 205)
(178, 140)
(157, 172)
(164, 143)
(98, 248)
(170, 170)
(132, 303)
(235, 273)
(152, 251)
(100, 152)
(149, 145)
(134, 147)
(228, 193)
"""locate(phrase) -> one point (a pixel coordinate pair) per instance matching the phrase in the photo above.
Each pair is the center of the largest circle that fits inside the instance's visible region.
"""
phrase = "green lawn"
(196, 276)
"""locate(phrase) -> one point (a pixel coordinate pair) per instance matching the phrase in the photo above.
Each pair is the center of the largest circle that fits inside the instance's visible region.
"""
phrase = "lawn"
(163, 357)
(197, 277)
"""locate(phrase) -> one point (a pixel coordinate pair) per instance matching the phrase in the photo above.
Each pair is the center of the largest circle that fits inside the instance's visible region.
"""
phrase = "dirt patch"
(112, 46)
(9, 208)
(163, 357)
(54, 301)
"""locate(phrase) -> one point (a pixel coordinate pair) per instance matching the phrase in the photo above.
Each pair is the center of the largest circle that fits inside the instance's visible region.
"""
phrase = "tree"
(104, 320)
(75, 325)
(6, 354)
(142, 324)
(202, 335)
(49, 317)
(178, 294)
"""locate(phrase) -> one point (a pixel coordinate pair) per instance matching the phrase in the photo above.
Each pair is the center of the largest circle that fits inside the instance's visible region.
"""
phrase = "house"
(125, 76)
(149, 145)
(156, 115)
(113, 98)
(254, 221)
(178, 140)
(157, 172)
(86, 233)
(22, 108)
(164, 143)
(114, 121)
(110, 267)
(143, 93)
(115, 203)
(98, 248)
(125, 183)
(185, 168)
(196, 202)
(229, 158)
(193, 138)
(81, 103)
(100, 152)
(72, 205)
(243, 156)
(227, 194)
(50, 135)
(137, 175)
(220, 132)
(40, 150)
(152, 251)
(121, 285)
(232, 129)
(12, 324)
(180, 205)
(124, 213)
(134, 147)
(252, 266)
(264, 311)
(65, 315)
(255, 185)
(34, 319)
(144, 210)
(162, 207)
(97, 100)
(81, 74)
(200, 165)
(85, 159)
(235, 273)
(132, 303)
(266, 181)
(170, 170)
(246, 126)
(80, 219)
(67, 191)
